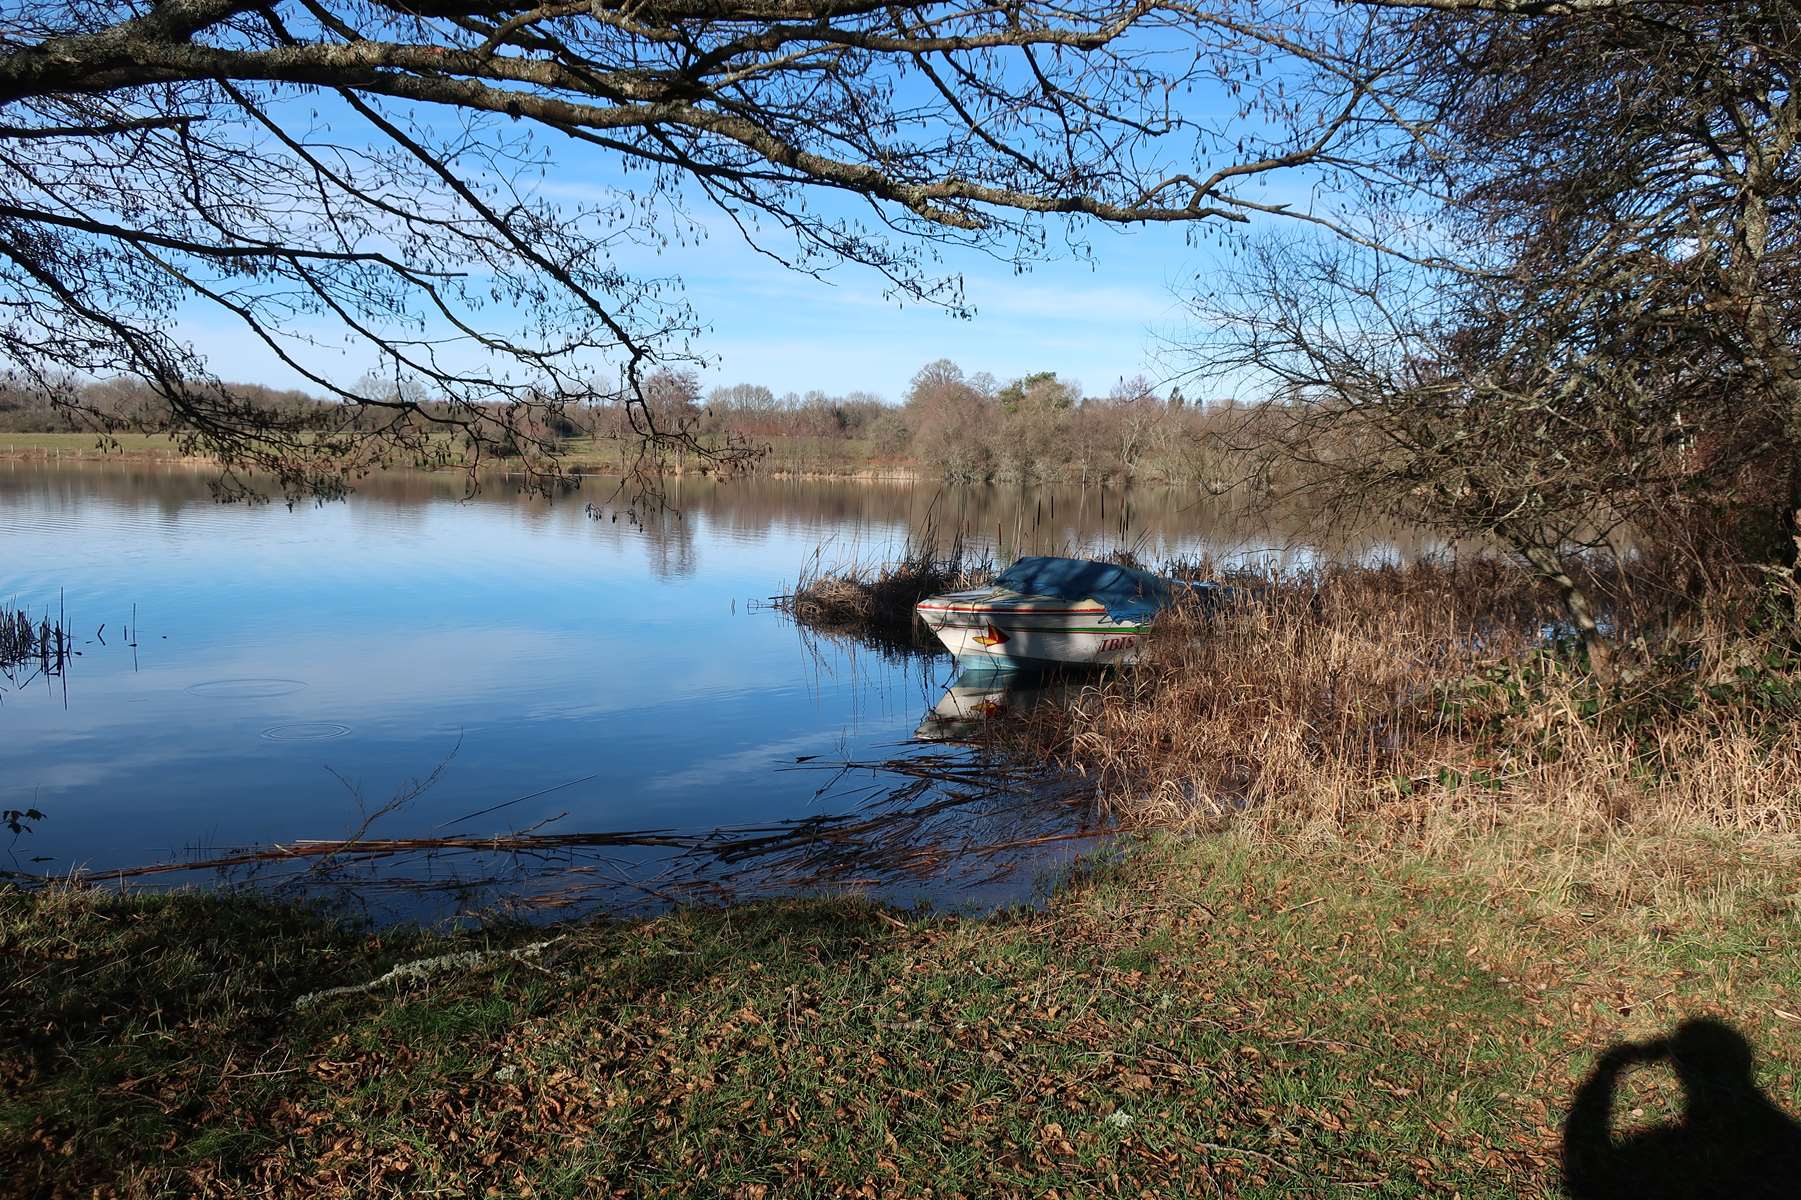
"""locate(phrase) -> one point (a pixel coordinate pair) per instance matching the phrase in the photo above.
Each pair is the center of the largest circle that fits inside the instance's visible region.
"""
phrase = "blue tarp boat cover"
(1126, 594)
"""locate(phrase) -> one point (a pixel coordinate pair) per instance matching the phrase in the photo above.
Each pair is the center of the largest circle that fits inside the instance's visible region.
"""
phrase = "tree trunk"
(1581, 612)
(1793, 557)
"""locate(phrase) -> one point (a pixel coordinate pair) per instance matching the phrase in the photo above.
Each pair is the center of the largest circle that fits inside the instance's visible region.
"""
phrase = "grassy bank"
(802, 457)
(793, 456)
(1228, 1015)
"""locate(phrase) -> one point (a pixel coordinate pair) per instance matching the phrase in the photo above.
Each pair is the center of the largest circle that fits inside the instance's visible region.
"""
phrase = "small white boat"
(1045, 610)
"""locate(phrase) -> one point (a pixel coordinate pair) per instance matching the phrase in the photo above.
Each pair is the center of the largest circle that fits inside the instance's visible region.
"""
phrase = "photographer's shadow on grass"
(1731, 1141)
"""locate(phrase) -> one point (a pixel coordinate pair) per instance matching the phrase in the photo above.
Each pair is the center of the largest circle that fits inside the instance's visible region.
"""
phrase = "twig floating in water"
(482, 812)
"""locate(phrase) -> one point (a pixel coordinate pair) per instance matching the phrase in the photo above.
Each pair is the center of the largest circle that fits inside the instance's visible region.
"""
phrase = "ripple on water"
(245, 689)
(306, 731)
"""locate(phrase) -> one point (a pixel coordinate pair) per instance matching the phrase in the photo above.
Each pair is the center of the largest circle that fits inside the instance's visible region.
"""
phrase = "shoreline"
(80, 448)
(146, 448)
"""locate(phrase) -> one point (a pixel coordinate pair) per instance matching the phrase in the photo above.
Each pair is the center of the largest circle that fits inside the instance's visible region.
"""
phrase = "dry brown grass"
(1426, 701)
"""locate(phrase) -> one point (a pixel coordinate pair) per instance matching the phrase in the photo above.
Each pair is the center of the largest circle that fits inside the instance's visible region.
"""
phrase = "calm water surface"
(295, 670)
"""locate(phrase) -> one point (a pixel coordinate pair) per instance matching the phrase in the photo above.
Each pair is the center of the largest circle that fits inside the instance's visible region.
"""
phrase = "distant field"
(799, 456)
(86, 445)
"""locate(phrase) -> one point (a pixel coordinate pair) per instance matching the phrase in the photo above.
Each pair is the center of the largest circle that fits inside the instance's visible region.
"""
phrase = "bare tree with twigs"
(1597, 322)
(365, 172)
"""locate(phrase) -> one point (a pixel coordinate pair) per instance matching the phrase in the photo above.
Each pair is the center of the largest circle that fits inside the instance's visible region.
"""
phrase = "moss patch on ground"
(1198, 1016)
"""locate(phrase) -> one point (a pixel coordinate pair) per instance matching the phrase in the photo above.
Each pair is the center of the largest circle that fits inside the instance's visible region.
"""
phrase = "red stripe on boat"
(1012, 611)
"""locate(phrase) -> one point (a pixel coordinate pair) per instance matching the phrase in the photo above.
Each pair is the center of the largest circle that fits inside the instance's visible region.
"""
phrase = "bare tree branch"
(365, 170)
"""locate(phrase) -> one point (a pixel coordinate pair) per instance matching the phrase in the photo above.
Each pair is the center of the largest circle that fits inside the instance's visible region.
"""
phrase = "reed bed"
(28, 644)
(1432, 695)
(877, 598)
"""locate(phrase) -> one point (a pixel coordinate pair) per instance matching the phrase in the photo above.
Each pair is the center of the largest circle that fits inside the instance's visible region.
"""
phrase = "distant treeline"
(26, 409)
(970, 428)
(952, 425)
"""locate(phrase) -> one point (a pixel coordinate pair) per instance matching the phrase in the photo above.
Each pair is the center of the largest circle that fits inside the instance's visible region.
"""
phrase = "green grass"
(1201, 1016)
(86, 445)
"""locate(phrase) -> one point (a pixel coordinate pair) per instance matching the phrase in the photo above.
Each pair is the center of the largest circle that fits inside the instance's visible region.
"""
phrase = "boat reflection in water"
(982, 694)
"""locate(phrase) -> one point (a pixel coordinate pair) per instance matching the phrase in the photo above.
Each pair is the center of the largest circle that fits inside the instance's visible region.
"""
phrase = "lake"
(613, 699)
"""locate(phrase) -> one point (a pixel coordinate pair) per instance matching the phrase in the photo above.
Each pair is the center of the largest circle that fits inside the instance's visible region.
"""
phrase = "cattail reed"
(26, 643)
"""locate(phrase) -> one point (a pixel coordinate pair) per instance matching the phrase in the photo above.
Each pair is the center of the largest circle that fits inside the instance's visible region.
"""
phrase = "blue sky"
(1093, 319)
(1088, 321)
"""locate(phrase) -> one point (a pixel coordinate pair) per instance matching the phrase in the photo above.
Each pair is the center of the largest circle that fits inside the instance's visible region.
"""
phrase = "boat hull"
(1003, 628)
